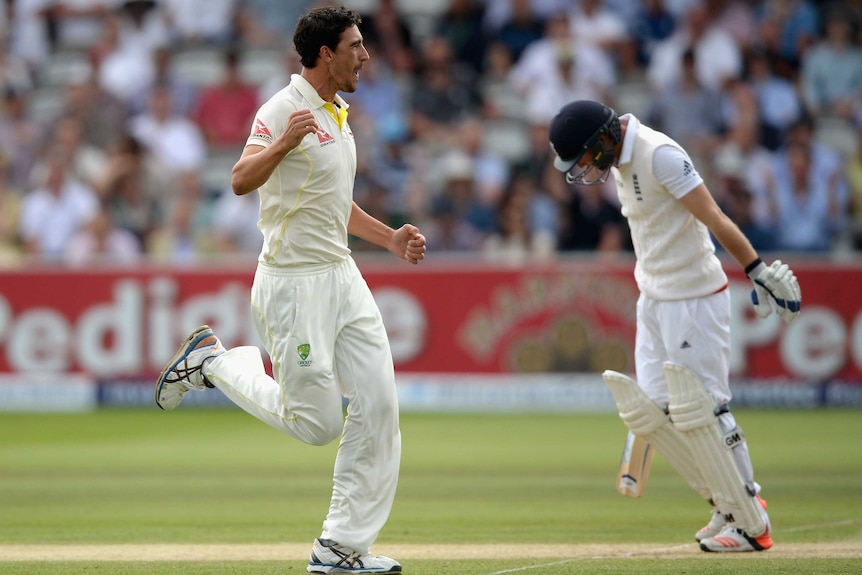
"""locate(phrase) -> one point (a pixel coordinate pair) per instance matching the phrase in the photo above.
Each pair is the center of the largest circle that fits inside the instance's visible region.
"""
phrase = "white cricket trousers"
(694, 333)
(325, 336)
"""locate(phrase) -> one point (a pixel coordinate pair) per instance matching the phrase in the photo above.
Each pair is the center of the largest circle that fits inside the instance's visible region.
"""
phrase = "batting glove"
(775, 289)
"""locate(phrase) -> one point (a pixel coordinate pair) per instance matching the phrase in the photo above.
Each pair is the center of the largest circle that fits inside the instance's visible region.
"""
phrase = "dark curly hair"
(321, 27)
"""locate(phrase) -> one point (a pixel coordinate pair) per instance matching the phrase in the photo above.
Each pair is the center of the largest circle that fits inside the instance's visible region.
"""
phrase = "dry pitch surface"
(299, 551)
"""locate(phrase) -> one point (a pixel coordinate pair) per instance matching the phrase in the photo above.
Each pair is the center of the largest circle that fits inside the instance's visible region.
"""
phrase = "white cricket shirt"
(675, 254)
(306, 203)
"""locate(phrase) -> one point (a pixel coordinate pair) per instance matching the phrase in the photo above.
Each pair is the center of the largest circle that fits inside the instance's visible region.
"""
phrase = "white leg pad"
(646, 419)
(692, 411)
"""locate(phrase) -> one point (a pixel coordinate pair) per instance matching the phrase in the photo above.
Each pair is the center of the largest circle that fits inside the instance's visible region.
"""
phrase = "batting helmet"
(577, 129)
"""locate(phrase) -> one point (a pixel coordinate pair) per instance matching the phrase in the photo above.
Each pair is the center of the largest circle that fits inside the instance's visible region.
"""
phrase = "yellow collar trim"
(339, 114)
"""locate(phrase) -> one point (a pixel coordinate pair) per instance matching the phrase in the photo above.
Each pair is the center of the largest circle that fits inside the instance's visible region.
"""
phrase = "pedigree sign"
(572, 316)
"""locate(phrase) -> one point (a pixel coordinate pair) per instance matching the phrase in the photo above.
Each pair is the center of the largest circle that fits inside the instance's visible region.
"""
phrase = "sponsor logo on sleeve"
(261, 132)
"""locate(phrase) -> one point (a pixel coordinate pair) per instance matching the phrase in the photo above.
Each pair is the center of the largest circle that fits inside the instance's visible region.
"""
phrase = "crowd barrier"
(465, 335)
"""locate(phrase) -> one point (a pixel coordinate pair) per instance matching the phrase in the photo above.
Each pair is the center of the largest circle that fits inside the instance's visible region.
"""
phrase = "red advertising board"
(570, 316)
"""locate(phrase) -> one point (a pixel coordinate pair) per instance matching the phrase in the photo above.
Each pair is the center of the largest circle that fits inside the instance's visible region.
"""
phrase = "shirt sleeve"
(266, 127)
(674, 170)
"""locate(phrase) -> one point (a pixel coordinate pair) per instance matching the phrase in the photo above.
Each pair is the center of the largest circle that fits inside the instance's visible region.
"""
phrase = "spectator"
(394, 173)
(461, 24)
(123, 70)
(779, 104)
(15, 75)
(144, 25)
(490, 170)
(182, 92)
(461, 221)
(591, 222)
(689, 112)
(182, 240)
(225, 110)
(740, 157)
(522, 29)
(576, 75)
(27, 35)
(99, 112)
(86, 162)
(387, 29)
(374, 197)
(269, 22)
(234, 225)
(526, 224)
(10, 214)
(827, 162)
(626, 10)
(652, 24)
(76, 23)
(413, 126)
(382, 97)
(499, 100)
(135, 188)
(290, 65)
(443, 94)
(553, 70)
(101, 241)
(717, 58)
(809, 209)
(202, 21)
(512, 241)
(174, 140)
(20, 139)
(55, 210)
(500, 12)
(769, 41)
(737, 203)
(601, 31)
(832, 71)
(538, 164)
(738, 18)
(793, 26)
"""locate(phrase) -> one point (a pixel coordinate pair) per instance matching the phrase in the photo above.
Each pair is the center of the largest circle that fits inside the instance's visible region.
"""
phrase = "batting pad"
(646, 419)
(692, 411)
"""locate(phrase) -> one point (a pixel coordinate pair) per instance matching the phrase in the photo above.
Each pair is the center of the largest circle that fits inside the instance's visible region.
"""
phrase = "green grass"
(642, 566)
(219, 476)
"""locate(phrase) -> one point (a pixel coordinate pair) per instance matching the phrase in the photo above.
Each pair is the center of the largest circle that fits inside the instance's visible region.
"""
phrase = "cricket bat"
(634, 466)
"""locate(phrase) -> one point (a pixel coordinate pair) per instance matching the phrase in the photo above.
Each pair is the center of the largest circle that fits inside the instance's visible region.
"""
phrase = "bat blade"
(634, 466)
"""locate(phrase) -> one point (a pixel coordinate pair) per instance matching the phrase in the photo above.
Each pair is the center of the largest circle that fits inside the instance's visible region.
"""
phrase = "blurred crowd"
(120, 120)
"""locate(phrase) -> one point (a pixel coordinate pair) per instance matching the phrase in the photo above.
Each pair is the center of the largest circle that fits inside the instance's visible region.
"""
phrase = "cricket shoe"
(735, 540)
(330, 557)
(711, 529)
(718, 521)
(184, 371)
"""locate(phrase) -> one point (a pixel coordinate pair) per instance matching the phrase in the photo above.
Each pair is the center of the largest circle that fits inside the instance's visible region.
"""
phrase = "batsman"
(680, 402)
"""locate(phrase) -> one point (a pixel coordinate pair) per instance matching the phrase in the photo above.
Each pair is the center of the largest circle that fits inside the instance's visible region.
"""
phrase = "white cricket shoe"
(711, 529)
(184, 371)
(330, 557)
(718, 521)
(735, 540)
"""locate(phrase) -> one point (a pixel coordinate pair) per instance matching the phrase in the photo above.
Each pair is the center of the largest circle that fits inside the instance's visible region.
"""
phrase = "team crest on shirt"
(304, 350)
(261, 132)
